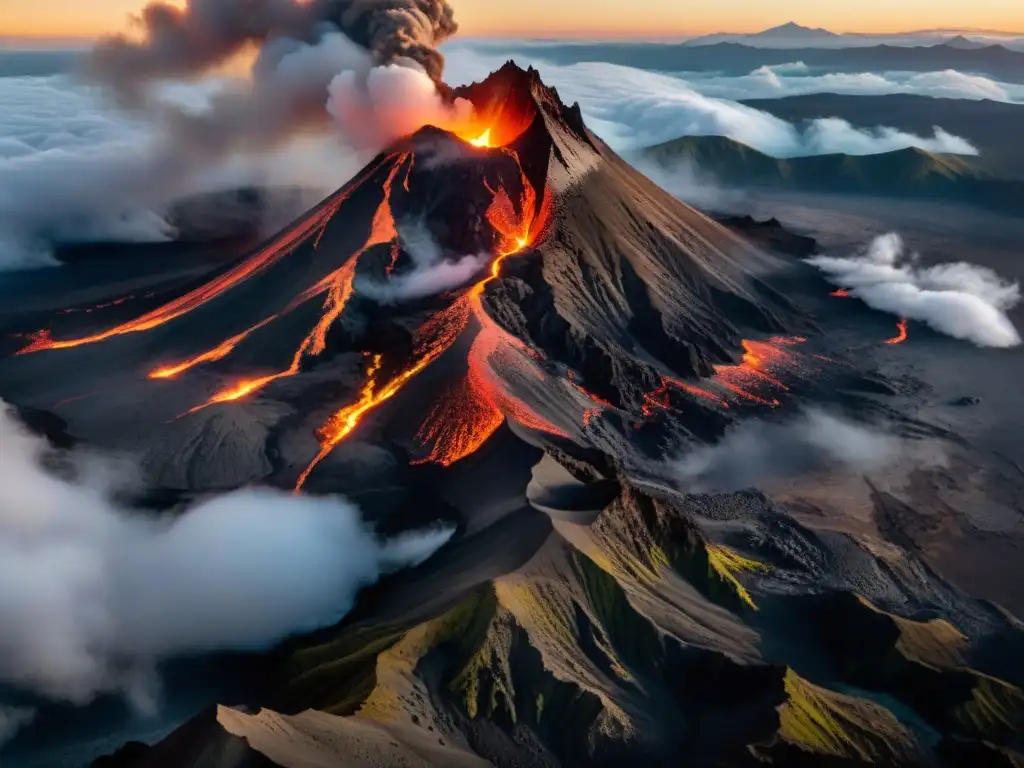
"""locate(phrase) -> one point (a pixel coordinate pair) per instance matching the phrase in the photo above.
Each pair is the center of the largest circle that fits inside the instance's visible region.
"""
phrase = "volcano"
(509, 329)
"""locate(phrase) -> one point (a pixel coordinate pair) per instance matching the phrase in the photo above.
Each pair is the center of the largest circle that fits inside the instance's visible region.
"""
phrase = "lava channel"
(901, 336)
(262, 259)
(485, 404)
(338, 286)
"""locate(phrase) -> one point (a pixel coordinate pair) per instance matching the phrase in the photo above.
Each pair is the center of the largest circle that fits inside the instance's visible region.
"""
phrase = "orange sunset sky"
(563, 18)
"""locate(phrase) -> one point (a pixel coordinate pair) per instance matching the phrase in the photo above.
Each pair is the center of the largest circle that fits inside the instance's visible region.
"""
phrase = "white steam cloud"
(93, 595)
(961, 300)
(632, 108)
(431, 273)
(758, 452)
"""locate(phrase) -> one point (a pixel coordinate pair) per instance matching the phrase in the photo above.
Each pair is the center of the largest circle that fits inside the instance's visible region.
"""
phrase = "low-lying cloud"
(962, 300)
(94, 595)
(758, 452)
(632, 108)
(797, 79)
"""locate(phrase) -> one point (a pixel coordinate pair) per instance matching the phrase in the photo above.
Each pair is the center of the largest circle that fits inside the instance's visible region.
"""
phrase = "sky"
(590, 18)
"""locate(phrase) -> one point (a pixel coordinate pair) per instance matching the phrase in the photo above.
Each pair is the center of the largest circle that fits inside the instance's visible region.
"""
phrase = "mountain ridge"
(910, 172)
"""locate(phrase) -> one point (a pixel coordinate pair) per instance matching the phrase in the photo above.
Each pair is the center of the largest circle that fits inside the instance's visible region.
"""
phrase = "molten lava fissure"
(338, 286)
(840, 293)
(217, 353)
(256, 263)
(900, 337)
(479, 404)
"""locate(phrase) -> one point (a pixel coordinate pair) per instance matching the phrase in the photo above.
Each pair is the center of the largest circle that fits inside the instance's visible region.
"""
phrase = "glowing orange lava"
(840, 293)
(483, 140)
(902, 335)
(761, 359)
(262, 259)
(478, 405)
(338, 286)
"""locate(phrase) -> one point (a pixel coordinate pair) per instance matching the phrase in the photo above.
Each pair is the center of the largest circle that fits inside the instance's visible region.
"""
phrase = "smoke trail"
(756, 452)
(93, 595)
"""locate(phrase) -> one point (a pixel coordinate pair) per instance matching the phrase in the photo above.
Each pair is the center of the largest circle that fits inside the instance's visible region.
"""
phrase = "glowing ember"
(600, 403)
(840, 293)
(483, 140)
(698, 392)
(902, 335)
(114, 303)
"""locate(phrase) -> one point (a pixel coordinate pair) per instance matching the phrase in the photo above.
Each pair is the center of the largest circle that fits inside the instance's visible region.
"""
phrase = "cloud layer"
(756, 452)
(796, 79)
(631, 108)
(961, 300)
(93, 595)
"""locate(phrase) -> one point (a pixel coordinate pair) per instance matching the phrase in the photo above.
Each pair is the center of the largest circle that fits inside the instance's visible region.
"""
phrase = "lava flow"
(217, 353)
(338, 286)
(840, 293)
(761, 359)
(478, 405)
(262, 259)
(902, 335)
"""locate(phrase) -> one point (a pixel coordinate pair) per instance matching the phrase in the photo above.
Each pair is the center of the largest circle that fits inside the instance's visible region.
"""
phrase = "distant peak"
(791, 29)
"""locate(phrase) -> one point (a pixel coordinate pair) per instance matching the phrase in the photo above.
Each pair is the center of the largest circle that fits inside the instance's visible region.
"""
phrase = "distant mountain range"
(740, 58)
(903, 173)
(993, 127)
(793, 35)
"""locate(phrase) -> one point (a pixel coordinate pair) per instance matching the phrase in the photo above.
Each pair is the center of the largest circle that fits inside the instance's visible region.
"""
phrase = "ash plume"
(93, 595)
(352, 75)
(301, 47)
(759, 452)
(962, 300)
(187, 42)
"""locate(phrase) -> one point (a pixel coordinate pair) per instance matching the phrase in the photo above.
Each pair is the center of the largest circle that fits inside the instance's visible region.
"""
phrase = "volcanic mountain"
(509, 329)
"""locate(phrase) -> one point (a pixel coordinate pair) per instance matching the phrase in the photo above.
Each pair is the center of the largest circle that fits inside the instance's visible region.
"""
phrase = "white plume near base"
(93, 596)
(962, 300)
(431, 272)
(756, 452)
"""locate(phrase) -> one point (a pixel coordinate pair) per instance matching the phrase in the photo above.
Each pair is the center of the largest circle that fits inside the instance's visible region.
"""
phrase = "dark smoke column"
(187, 42)
(393, 30)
